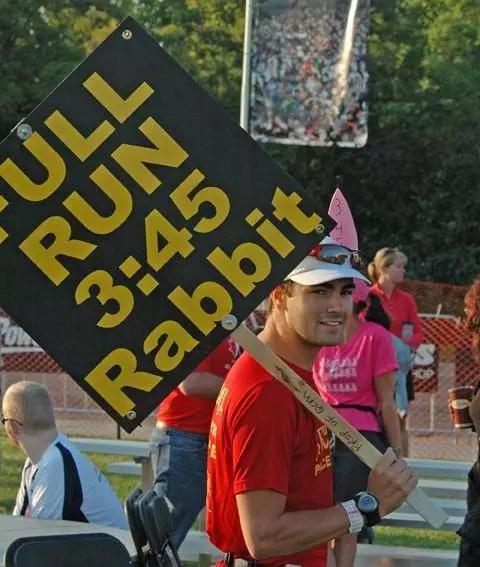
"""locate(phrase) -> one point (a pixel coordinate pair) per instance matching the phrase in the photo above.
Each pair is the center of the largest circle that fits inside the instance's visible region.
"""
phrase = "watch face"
(367, 503)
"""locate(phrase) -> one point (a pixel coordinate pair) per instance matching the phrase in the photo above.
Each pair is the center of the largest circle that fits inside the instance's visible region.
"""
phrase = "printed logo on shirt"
(323, 459)
(212, 450)
(235, 350)
(221, 400)
(336, 371)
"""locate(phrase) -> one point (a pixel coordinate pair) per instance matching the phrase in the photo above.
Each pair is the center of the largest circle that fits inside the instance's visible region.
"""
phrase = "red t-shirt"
(193, 413)
(262, 438)
(402, 309)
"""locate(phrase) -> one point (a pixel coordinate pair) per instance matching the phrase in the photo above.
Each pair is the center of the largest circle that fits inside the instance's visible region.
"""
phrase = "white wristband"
(354, 515)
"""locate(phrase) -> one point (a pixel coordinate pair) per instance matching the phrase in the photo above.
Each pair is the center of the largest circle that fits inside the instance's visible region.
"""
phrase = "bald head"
(29, 403)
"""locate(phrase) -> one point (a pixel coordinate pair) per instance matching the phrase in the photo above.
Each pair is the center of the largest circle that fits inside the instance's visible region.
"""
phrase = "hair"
(30, 404)
(375, 313)
(286, 287)
(472, 316)
(382, 260)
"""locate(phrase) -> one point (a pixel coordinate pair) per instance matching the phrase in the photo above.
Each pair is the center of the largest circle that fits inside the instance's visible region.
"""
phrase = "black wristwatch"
(367, 505)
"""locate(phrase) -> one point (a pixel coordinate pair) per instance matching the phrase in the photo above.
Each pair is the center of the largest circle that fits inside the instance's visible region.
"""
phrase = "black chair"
(156, 519)
(72, 550)
(136, 528)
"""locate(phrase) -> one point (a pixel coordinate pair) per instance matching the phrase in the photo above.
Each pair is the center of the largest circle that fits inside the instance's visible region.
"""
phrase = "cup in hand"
(460, 399)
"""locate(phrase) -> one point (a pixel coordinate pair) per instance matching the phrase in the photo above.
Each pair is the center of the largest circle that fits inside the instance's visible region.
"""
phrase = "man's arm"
(270, 531)
(201, 384)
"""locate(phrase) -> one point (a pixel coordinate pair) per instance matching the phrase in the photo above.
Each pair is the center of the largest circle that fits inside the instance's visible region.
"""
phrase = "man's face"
(317, 314)
(12, 426)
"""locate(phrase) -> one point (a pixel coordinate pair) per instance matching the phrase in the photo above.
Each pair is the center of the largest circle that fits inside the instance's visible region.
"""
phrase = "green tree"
(40, 43)
(205, 37)
(416, 183)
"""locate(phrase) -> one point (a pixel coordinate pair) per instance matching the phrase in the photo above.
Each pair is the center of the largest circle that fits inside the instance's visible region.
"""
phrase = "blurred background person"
(178, 444)
(377, 314)
(387, 271)
(358, 379)
(58, 482)
(470, 530)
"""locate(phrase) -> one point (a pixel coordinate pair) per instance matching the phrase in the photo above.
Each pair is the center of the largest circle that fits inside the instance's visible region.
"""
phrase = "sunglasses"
(339, 255)
(5, 419)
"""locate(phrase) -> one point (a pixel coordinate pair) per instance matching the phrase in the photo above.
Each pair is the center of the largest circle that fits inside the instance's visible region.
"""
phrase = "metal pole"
(432, 412)
(247, 44)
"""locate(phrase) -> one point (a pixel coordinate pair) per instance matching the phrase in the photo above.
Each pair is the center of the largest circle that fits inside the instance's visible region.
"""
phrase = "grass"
(12, 461)
(409, 537)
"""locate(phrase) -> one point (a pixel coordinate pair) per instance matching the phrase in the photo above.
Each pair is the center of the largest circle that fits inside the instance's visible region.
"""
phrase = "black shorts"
(410, 387)
(350, 474)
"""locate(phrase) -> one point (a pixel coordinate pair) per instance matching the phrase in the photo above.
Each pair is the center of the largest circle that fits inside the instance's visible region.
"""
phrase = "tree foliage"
(415, 183)
(40, 43)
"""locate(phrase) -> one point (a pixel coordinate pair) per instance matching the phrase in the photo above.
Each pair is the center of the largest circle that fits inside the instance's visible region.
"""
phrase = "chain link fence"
(443, 361)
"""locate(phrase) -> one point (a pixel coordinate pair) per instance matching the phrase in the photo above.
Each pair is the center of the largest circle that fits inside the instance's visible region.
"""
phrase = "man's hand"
(391, 481)
(475, 411)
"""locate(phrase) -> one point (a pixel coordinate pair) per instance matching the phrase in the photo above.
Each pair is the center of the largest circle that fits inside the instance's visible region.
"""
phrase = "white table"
(14, 527)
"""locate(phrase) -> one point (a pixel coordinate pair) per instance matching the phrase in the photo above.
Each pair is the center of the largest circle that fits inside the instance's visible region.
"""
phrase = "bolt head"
(229, 322)
(24, 131)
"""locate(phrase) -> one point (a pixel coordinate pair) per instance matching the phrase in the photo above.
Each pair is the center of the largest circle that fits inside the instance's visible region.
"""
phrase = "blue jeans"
(179, 461)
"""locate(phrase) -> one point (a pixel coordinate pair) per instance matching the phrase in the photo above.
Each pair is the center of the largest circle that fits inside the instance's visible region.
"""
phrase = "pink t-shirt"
(345, 374)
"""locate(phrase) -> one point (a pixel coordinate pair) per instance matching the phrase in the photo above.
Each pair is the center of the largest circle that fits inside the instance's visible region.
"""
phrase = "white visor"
(332, 262)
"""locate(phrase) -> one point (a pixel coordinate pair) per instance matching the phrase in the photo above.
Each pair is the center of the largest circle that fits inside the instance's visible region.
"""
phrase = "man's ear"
(278, 296)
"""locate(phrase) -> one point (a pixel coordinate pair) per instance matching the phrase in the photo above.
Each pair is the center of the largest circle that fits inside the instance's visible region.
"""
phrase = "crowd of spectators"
(300, 93)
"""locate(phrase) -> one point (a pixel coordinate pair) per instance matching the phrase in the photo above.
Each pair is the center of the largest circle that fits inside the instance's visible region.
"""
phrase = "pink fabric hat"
(360, 293)
(336, 256)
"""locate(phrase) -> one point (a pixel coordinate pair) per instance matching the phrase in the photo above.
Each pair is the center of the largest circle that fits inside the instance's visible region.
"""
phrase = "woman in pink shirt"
(358, 378)
(387, 270)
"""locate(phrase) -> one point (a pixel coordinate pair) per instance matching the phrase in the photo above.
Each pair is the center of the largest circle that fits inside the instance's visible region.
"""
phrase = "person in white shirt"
(58, 482)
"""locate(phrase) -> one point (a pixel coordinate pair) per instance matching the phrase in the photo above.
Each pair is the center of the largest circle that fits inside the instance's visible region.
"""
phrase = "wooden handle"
(310, 399)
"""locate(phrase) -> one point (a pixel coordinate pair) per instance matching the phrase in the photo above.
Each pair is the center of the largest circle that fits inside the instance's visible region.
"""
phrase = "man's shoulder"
(249, 383)
(49, 468)
(60, 450)
(248, 372)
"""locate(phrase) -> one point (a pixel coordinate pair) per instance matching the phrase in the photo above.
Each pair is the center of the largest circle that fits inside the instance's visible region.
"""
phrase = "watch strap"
(354, 515)
(371, 518)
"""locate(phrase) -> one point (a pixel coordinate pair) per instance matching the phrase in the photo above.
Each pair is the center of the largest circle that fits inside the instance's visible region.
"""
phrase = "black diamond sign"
(134, 215)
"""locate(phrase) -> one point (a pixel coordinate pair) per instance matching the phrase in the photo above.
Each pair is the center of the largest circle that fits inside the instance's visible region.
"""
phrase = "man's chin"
(331, 338)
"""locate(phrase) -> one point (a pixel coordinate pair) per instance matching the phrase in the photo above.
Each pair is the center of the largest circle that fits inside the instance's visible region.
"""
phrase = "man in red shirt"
(179, 440)
(269, 493)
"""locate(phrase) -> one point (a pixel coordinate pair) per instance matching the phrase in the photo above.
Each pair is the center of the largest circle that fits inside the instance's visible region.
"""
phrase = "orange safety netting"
(447, 343)
(20, 353)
